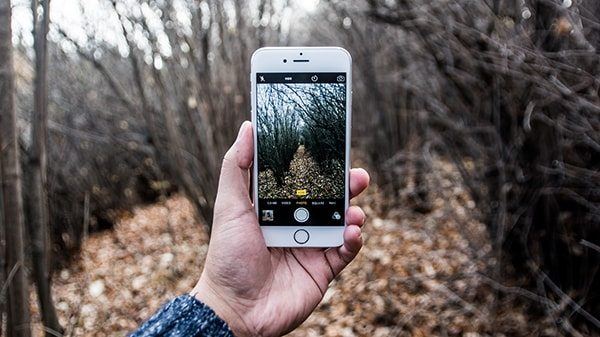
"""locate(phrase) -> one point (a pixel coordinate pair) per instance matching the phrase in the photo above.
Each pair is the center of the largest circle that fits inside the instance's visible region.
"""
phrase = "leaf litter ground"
(304, 174)
(417, 275)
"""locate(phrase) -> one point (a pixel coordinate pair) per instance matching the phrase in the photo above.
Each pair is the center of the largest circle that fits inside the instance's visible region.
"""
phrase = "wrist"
(206, 293)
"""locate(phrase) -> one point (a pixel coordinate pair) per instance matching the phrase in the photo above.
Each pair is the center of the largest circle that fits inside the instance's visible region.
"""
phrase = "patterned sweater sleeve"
(184, 316)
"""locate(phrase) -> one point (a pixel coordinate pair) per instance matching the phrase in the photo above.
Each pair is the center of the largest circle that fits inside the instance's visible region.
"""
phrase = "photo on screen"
(301, 140)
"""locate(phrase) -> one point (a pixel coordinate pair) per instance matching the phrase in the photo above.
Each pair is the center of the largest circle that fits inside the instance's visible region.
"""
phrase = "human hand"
(262, 291)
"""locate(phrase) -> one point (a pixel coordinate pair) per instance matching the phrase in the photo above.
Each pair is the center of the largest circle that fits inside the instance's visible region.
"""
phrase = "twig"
(9, 278)
(52, 331)
(591, 245)
(516, 291)
(574, 305)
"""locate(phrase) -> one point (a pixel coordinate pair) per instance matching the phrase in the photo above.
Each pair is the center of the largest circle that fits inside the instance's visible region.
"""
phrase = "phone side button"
(301, 236)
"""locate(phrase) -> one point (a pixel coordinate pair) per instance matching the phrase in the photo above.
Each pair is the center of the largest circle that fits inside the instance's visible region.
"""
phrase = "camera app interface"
(301, 131)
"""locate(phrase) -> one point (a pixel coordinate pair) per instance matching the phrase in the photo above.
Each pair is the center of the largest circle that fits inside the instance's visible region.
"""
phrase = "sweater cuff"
(184, 316)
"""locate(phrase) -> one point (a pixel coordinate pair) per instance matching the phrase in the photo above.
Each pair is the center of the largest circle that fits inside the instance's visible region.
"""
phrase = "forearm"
(184, 316)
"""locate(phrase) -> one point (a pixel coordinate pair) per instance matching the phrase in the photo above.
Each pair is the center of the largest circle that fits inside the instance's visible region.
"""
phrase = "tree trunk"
(2, 248)
(18, 290)
(40, 252)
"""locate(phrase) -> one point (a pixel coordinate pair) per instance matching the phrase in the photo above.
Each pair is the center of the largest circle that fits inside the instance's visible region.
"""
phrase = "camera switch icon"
(341, 78)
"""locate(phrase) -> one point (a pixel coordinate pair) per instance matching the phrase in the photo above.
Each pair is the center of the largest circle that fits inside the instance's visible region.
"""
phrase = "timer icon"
(314, 78)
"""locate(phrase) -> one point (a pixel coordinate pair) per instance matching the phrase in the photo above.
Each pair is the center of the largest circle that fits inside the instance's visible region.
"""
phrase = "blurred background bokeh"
(479, 122)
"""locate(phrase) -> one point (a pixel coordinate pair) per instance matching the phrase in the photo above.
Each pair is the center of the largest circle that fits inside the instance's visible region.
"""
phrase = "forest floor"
(304, 175)
(417, 275)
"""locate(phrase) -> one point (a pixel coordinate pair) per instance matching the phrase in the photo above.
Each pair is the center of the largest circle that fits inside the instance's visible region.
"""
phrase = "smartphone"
(301, 114)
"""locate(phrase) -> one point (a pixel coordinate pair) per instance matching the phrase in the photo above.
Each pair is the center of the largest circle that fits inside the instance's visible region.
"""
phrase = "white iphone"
(301, 114)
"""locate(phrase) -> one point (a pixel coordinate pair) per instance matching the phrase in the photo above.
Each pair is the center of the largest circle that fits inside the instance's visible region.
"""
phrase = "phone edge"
(349, 94)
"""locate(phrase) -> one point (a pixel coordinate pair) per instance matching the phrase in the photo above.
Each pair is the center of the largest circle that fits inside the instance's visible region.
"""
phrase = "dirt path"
(418, 275)
(304, 175)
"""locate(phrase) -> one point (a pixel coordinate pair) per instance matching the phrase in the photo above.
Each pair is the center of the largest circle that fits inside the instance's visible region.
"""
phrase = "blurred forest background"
(478, 120)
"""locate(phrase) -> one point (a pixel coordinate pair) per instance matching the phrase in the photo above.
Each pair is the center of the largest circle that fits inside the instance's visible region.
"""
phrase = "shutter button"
(301, 214)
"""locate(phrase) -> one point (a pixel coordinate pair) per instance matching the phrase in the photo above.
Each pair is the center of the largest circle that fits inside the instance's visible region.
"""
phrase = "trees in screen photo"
(301, 140)
(279, 134)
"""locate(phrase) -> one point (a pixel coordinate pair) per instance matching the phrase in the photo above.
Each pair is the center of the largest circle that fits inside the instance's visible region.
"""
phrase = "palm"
(287, 282)
(261, 290)
(300, 278)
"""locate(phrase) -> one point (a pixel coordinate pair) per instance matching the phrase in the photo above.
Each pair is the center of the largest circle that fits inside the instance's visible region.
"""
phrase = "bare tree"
(279, 135)
(389, 118)
(38, 201)
(189, 97)
(17, 284)
(512, 95)
(324, 115)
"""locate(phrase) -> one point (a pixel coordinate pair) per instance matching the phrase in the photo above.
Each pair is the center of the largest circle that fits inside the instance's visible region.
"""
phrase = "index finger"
(359, 181)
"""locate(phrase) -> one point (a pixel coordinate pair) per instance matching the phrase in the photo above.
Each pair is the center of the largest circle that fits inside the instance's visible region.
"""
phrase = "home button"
(301, 236)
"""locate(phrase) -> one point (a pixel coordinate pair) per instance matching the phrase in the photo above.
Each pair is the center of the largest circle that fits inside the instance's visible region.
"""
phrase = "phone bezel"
(321, 59)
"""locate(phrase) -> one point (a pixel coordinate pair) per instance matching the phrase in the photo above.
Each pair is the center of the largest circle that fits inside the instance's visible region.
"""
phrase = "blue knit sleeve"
(184, 316)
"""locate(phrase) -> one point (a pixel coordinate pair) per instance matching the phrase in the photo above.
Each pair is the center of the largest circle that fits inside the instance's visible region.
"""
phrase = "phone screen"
(301, 144)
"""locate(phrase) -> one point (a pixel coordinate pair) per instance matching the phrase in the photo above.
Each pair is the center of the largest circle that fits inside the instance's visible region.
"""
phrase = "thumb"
(233, 196)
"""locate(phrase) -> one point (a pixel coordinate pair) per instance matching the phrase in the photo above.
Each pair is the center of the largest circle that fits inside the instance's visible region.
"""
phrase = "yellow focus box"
(301, 193)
